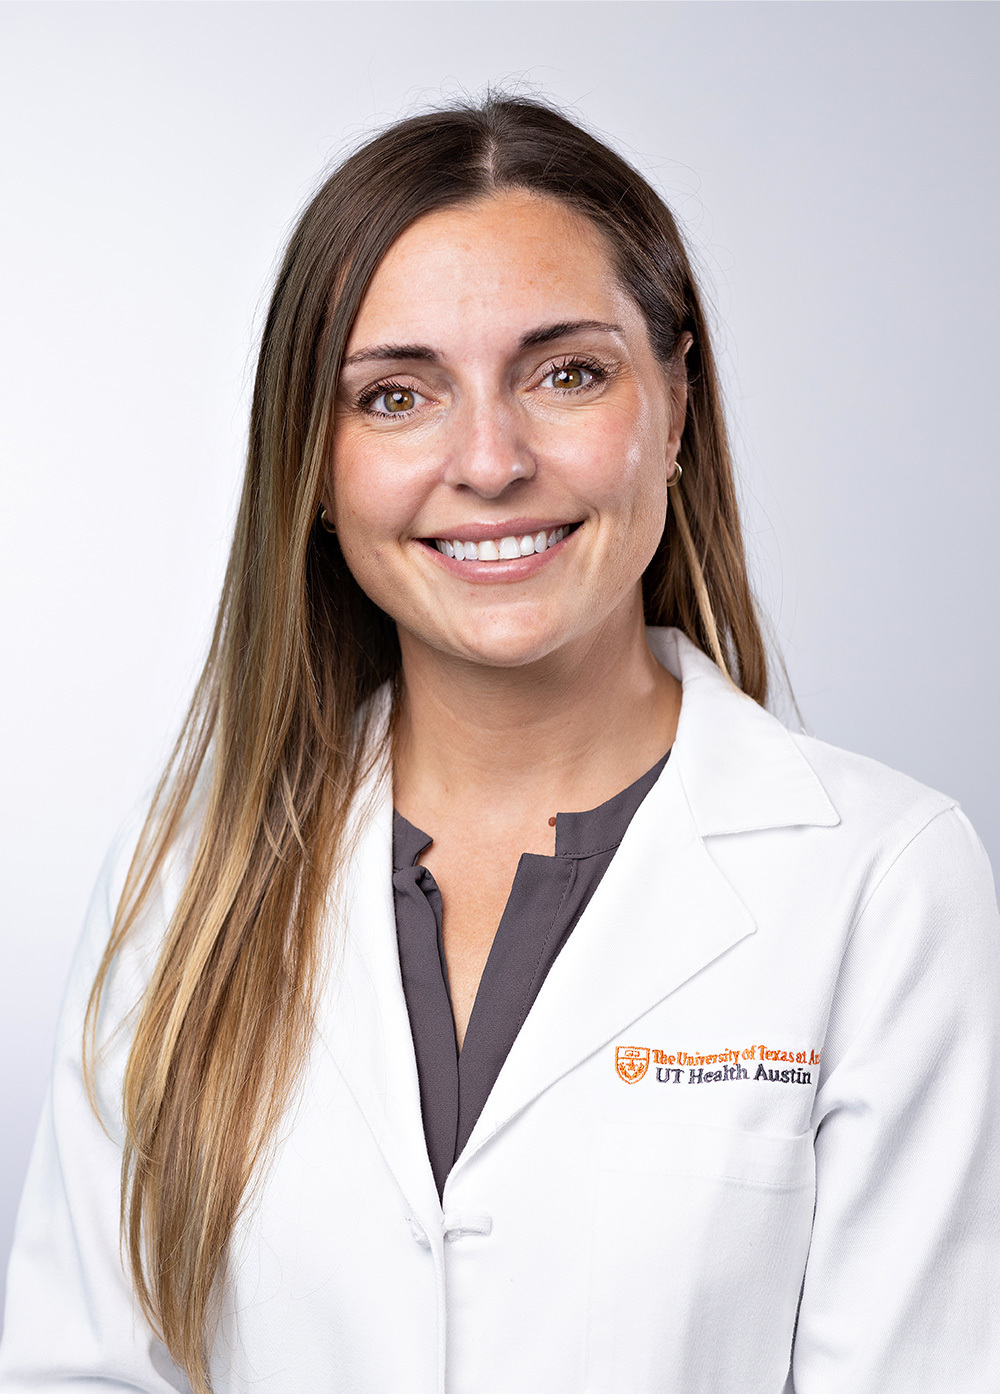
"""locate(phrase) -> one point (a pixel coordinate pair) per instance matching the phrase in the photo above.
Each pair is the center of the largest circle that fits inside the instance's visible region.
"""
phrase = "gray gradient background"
(835, 168)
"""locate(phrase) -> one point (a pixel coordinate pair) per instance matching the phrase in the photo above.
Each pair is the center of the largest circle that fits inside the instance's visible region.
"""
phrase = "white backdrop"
(835, 168)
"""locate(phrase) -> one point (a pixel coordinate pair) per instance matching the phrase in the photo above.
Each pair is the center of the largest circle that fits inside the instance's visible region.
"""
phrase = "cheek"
(373, 498)
(620, 467)
(628, 482)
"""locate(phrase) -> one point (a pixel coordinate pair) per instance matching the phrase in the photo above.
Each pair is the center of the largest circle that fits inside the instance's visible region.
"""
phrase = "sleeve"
(71, 1321)
(904, 1265)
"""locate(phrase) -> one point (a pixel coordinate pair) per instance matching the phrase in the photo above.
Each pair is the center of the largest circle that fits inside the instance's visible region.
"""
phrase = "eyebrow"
(567, 326)
(532, 339)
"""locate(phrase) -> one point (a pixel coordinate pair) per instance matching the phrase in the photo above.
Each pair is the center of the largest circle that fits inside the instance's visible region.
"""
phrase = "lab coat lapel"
(364, 1024)
(663, 911)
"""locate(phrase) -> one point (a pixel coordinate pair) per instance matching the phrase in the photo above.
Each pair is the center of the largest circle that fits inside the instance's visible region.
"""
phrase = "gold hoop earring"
(675, 477)
(325, 524)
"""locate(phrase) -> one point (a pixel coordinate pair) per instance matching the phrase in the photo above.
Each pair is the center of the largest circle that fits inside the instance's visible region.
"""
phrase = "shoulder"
(744, 772)
(869, 795)
(916, 843)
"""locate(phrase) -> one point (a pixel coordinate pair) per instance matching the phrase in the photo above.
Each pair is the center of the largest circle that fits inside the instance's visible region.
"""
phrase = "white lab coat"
(665, 1193)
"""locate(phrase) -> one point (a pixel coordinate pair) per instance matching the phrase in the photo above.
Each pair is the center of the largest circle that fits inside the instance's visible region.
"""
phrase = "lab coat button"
(418, 1232)
(466, 1222)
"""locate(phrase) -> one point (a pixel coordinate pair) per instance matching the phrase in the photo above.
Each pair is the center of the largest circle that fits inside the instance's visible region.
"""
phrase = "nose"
(488, 453)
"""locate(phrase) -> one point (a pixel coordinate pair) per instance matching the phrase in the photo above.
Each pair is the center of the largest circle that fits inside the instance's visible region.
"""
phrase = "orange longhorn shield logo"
(632, 1062)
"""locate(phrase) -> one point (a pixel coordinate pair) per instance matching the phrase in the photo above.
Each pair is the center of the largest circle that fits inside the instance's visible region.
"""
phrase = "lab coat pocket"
(700, 1237)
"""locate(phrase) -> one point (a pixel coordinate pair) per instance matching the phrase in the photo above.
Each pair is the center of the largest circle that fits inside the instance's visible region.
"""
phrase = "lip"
(494, 572)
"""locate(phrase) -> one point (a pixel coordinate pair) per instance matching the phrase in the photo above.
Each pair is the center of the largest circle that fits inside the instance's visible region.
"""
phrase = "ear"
(678, 389)
(324, 511)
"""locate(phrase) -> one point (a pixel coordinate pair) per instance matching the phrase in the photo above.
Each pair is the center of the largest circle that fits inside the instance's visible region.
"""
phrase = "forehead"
(503, 263)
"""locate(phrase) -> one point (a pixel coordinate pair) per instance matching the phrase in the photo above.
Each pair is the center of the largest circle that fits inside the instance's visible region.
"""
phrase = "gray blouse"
(547, 898)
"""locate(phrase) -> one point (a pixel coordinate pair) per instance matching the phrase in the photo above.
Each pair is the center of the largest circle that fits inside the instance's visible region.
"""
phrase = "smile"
(503, 548)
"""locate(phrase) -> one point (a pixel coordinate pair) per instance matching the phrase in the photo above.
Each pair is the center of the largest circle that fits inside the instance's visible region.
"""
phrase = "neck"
(566, 732)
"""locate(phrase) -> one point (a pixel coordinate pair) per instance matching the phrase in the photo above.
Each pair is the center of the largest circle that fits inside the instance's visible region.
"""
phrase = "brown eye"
(389, 401)
(567, 377)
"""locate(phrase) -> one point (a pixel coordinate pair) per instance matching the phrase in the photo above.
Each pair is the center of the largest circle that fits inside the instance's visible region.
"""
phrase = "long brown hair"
(274, 746)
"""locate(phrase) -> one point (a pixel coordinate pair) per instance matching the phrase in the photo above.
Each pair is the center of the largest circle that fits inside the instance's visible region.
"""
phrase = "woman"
(405, 1077)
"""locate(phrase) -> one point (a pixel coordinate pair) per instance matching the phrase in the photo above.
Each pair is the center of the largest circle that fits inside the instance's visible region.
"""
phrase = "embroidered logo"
(736, 1063)
(632, 1062)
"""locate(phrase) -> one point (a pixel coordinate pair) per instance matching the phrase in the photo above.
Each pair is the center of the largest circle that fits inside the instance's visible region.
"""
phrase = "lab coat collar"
(741, 769)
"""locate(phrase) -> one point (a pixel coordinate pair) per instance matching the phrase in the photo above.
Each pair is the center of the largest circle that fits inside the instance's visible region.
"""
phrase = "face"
(503, 435)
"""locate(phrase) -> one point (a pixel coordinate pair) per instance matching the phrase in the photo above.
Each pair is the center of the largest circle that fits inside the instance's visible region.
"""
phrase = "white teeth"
(501, 548)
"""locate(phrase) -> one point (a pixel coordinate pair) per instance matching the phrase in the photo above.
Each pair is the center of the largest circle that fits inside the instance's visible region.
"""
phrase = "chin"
(507, 656)
(499, 644)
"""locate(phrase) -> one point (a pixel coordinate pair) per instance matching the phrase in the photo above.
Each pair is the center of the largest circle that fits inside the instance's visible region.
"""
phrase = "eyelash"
(376, 389)
(599, 373)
